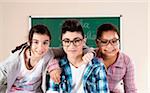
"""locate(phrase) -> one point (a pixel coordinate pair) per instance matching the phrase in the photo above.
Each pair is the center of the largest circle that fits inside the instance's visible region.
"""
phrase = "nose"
(41, 47)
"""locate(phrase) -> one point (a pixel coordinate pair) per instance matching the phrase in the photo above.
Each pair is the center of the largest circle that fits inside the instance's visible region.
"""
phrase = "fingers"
(55, 75)
(87, 57)
(57, 78)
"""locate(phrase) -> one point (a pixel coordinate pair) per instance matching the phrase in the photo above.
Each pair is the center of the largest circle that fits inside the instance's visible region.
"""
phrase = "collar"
(120, 61)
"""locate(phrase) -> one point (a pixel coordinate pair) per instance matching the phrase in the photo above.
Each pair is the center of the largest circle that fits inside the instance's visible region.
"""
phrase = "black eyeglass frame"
(113, 42)
(72, 41)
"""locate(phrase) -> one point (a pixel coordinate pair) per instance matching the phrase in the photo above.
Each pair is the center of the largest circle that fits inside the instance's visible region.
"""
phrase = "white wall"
(15, 24)
(0, 30)
(148, 45)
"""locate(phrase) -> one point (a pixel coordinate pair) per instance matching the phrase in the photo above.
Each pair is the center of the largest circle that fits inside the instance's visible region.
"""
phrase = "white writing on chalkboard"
(86, 25)
(90, 35)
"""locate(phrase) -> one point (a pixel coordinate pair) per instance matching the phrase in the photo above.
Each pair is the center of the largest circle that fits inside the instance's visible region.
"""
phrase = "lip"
(110, 51)
(39, 53)
(71, 50)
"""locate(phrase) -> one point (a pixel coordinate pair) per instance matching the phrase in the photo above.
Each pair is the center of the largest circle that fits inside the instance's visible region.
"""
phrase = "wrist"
(52, 66)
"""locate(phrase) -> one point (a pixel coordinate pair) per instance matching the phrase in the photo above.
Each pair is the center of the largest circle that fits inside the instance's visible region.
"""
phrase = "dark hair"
(40, 29)
(104, 28)
(72, 25)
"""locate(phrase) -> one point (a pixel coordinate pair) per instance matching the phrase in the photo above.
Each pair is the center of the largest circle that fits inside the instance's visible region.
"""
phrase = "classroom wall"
(148, 45)
(0, 29)
(14, 25)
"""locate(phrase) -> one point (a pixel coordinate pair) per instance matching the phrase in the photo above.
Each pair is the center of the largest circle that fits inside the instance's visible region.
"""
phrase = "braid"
(19, 47)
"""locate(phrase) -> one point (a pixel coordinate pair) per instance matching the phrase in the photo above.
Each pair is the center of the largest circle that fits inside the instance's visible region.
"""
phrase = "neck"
(76, 61)
(109, 60)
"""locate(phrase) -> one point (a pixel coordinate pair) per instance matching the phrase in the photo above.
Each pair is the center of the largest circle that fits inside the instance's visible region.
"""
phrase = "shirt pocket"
(91, 85)
(117, 73)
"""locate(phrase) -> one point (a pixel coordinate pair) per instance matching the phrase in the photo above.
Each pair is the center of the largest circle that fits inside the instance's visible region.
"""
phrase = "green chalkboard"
(89, 25)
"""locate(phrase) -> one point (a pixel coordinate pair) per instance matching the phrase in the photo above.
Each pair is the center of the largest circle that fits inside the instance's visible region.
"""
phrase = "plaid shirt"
(121, 76)
(94, 79)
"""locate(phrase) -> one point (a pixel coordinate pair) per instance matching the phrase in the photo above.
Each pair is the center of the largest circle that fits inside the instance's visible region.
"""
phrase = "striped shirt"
(120, 75)
(28, 81)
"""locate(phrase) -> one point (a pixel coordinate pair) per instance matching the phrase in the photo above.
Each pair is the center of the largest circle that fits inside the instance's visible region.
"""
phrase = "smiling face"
(72, 43)
(40, 44)
(108, 43)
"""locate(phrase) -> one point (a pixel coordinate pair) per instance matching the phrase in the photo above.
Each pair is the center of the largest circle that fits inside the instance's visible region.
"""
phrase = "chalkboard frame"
(119, 26)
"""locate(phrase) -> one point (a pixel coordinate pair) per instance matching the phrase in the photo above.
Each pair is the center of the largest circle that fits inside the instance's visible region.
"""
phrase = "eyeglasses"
(104, 42)
(76, 42)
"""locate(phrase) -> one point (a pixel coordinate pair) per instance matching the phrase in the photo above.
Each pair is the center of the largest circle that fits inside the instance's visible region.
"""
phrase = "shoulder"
(51, 51)
(49, 54)
(96, 62)
(96, 66)
(125, 58)
(11, 63)
(63, 61)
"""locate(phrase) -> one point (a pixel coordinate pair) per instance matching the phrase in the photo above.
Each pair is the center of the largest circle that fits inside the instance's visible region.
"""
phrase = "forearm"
(53, 65)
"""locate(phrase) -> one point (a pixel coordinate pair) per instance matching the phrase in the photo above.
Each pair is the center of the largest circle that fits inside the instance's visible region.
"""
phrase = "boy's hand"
(54, 70)
(55, 75)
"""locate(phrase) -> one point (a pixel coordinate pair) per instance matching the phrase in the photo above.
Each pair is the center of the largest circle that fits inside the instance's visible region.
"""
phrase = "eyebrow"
(47, 40)
(107, 39)
(38, 40)
(73, 38)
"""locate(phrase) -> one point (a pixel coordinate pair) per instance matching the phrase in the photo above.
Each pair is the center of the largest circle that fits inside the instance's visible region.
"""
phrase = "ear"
(84, 40)
(96, 43)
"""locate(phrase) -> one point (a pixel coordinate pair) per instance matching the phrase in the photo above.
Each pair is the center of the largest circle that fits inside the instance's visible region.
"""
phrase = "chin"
(71, 54)
(111, 55)
(42, 54)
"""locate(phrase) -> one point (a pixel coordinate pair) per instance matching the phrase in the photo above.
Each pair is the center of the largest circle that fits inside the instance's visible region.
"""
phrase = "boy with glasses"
(119, 66)
(76, 76)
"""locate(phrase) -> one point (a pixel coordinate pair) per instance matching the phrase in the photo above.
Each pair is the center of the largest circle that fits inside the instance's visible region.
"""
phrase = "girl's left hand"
(88, 57)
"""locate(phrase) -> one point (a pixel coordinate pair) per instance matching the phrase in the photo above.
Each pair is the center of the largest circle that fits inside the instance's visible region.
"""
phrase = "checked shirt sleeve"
(102, 80)
(52, 87)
